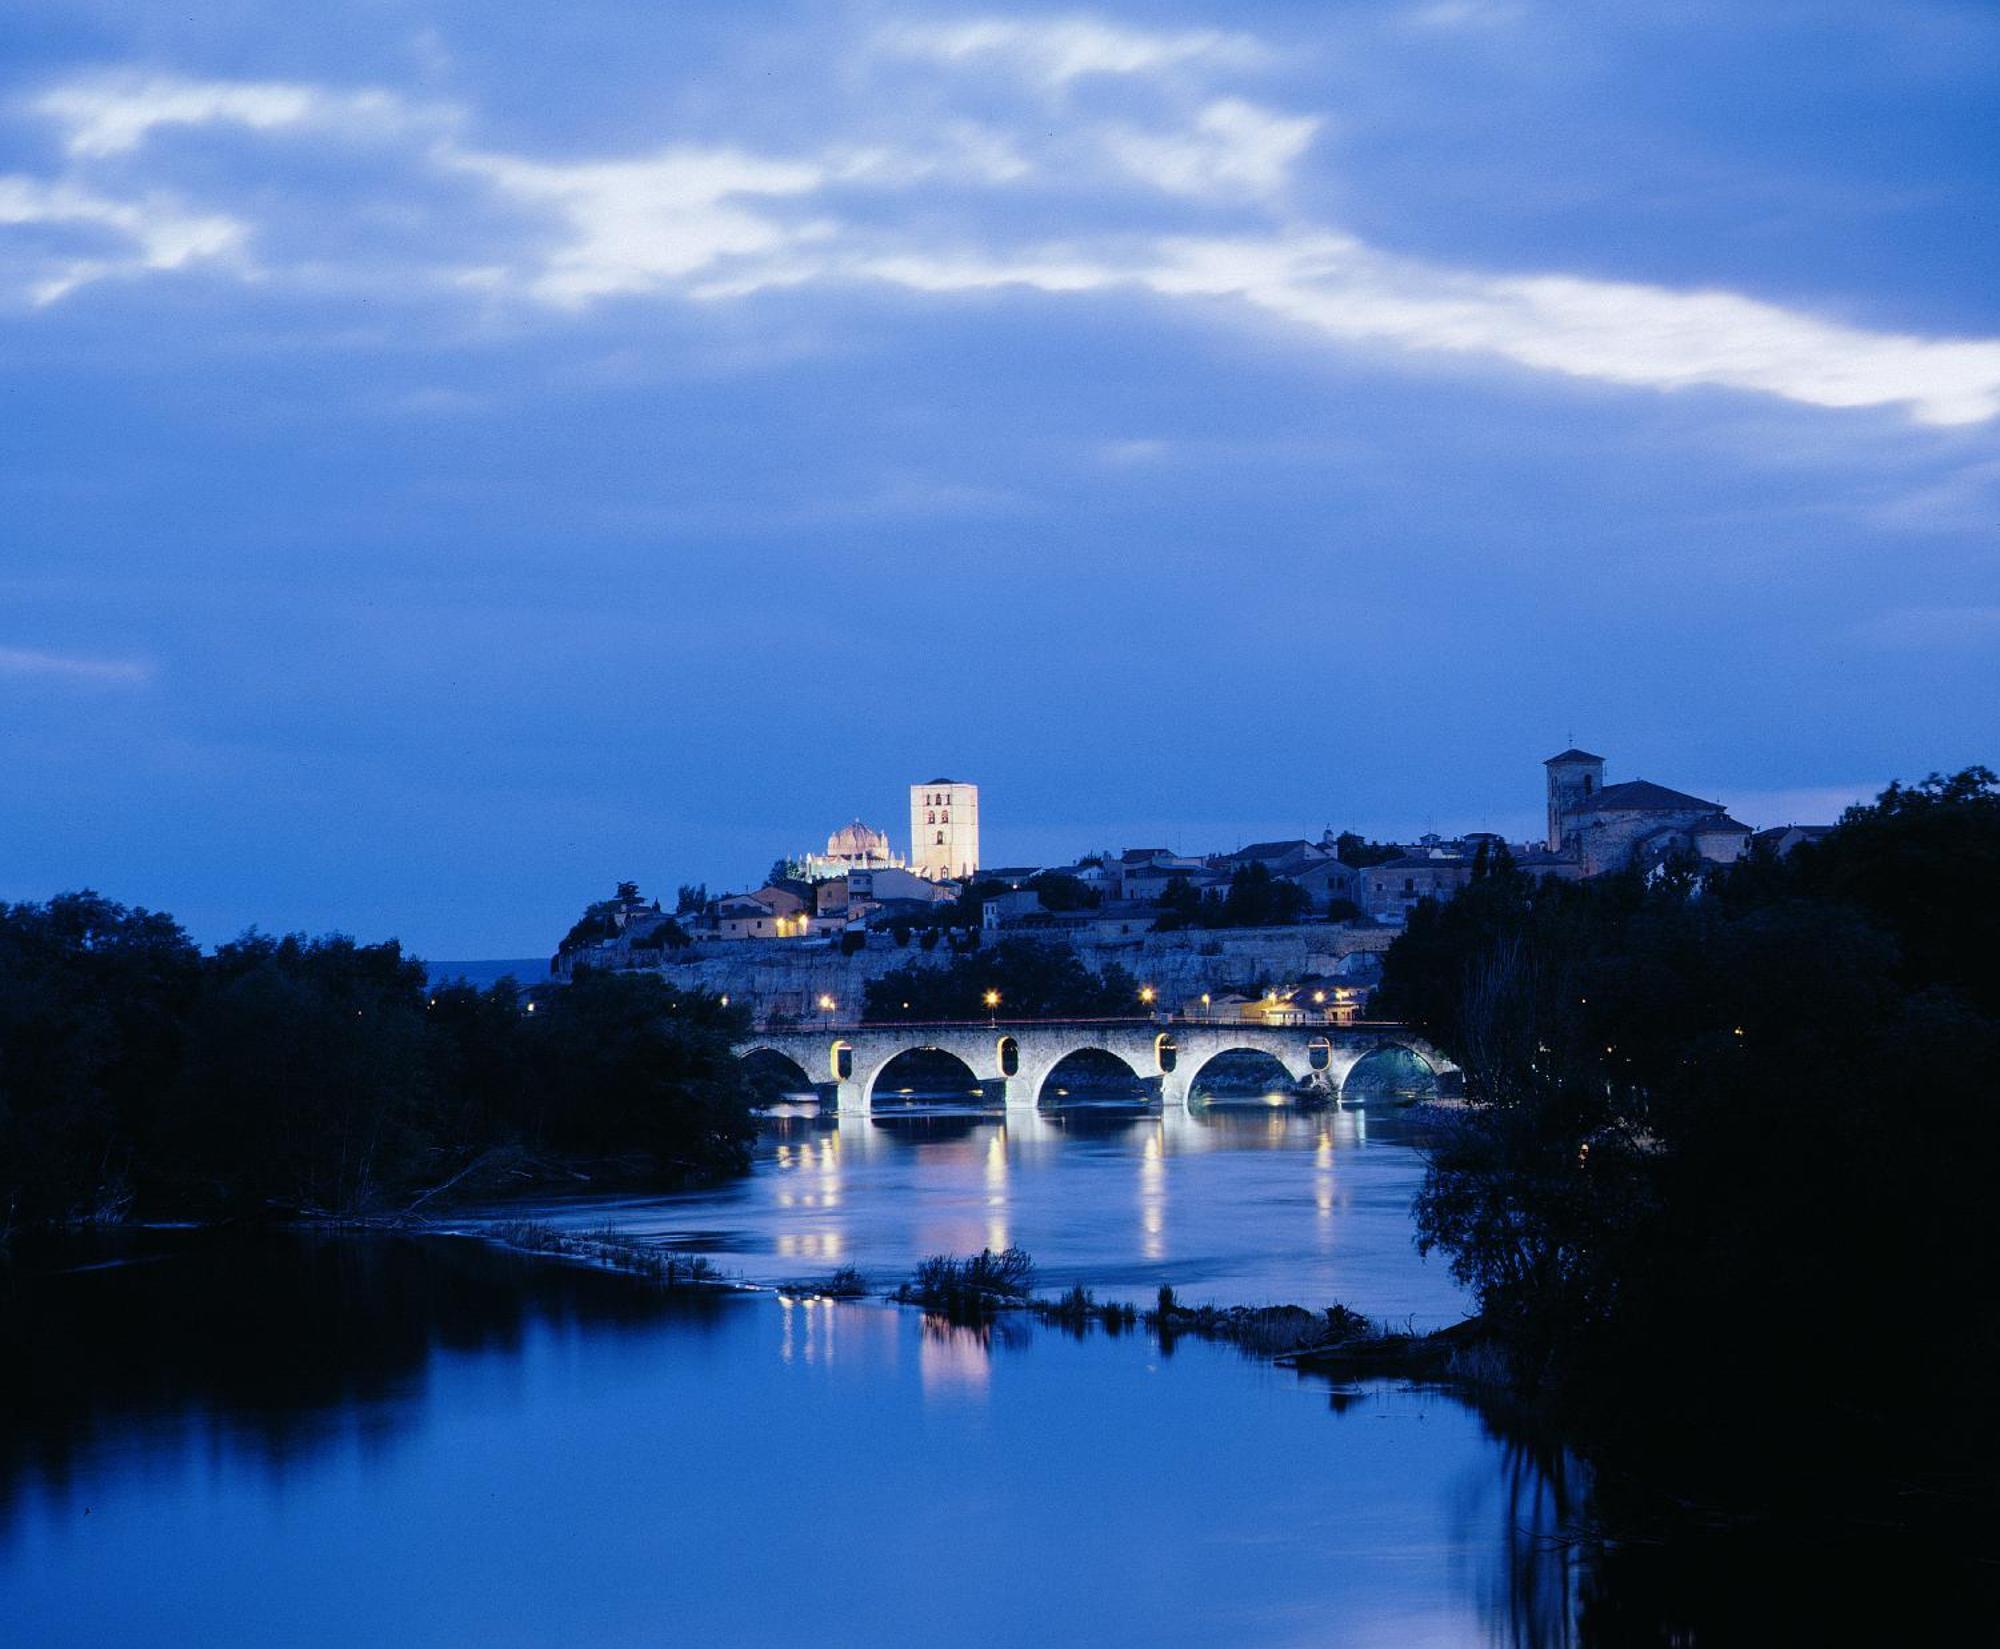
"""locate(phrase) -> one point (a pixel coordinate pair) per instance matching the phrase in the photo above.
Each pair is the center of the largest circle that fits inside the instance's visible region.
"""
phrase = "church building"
(1605, 827)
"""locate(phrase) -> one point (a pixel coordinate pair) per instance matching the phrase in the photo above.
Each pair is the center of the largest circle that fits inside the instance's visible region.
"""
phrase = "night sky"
(453, 456)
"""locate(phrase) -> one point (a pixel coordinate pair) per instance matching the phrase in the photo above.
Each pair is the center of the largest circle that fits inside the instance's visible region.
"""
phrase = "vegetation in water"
(983, 1282)
(282, 1076)
(610, 1248)
(1724, 1184)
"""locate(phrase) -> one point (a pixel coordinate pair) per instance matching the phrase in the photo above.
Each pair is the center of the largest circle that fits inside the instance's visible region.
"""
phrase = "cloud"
(714, 221)
(1234, 149)
(637, 225)
(1613, 332)
(116, 114)
(26, 663)
(1057, 51)
(151, 232)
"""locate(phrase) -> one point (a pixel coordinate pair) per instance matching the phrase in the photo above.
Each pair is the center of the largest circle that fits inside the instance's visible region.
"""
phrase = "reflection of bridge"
(1016, 1058)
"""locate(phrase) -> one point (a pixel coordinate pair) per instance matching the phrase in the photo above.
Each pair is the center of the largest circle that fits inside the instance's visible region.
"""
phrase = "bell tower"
(1575, 777)
(944, 829)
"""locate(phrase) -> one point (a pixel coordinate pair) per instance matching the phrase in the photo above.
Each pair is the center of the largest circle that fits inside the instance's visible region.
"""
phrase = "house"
(1779, 840)
(1282, 859)
(1392, 888)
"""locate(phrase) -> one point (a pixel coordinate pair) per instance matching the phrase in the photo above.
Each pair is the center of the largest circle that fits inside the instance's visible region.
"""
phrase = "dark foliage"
(1034, 980)
(1733, 1139)
(1256, 899)
(1356, 850)
(323, 1076)
(1058, 890)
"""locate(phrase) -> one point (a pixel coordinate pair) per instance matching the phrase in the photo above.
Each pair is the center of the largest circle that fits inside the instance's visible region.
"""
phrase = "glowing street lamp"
(1147, 994)
(992, 1006)
(826, 1006)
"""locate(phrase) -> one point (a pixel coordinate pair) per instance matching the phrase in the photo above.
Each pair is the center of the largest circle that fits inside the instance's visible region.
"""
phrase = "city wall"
(789, 976)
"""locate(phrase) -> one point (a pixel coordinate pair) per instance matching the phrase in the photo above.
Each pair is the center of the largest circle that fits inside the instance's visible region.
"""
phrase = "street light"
(992, 1006)
(826, 1006)
(1204, 1004)
(1147, 994)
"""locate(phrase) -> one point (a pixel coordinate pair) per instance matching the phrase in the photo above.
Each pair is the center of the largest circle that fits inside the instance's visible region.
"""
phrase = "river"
(215, 1439)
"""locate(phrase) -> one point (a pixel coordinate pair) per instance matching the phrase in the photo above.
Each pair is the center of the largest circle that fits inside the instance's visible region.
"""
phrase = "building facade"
(944, 829)
(1606, 827)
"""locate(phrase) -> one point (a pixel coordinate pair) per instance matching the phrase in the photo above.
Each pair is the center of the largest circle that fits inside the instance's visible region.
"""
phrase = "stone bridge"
(1016, 1057)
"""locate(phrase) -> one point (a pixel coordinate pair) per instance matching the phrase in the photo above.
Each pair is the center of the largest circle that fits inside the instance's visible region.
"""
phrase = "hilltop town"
(1278, 931)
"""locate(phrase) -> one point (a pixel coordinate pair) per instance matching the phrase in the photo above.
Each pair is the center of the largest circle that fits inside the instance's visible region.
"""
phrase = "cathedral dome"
(857, 841)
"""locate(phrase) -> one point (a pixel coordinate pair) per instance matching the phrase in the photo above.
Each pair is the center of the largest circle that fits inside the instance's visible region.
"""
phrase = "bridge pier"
(850, 1099)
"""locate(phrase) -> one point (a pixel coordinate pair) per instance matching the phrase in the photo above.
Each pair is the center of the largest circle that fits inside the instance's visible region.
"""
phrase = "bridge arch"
(776, 1071)
(1091, 1074)
(1392, 1073)
(1254, 1063)
(926, 1074)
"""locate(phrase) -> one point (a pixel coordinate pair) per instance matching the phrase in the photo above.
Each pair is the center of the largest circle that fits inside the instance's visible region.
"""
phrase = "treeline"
(1254, 899)
(1725, 1187)
(141, 1077)
(1029, 979)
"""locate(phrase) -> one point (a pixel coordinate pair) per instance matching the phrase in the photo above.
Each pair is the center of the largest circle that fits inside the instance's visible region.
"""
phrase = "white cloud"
(115, 114)
(1613, 332)
(638, 225)
(24, 662)
(1059, 50)
(1234, 149)
(157, 233)
(714, 222)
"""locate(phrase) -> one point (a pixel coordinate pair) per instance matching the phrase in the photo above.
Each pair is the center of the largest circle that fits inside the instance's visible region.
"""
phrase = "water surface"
(1243, 1204)
(369, 1440)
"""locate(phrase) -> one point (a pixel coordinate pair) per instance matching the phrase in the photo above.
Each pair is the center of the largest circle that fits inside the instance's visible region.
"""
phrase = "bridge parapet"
(1016, 1056)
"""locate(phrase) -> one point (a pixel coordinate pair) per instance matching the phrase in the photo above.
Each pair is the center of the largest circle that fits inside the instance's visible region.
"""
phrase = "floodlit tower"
(1574, 778)
(944, 829)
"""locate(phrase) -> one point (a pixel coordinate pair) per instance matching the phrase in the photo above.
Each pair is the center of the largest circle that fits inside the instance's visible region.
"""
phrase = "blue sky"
(453, 456)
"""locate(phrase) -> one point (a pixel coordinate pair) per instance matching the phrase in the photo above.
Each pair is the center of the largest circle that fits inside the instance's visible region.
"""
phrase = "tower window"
(940, 838)
(1586, 784)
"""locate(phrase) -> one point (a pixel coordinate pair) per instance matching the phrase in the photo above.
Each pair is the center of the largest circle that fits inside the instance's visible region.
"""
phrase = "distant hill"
(532, 970)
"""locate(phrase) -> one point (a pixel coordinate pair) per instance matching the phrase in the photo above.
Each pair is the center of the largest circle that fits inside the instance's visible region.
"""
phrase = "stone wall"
(789, 976)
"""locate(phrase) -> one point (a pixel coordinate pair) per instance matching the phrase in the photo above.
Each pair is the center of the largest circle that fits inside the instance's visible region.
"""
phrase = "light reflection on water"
(1237, 1204)
(424, 1442)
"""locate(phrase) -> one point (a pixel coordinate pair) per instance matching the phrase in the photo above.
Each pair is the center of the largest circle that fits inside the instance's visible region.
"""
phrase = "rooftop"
(1572, 754)
(1644, 796)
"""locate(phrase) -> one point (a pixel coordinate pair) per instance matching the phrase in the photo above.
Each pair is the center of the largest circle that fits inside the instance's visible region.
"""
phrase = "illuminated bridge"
(1017, 1058)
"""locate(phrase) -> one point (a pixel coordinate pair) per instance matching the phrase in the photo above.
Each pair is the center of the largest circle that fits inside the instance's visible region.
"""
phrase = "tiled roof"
(1644, 796)
(1572, 754)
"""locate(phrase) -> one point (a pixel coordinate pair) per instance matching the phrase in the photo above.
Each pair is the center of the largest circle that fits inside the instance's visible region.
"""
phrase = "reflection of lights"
(1153, 1196)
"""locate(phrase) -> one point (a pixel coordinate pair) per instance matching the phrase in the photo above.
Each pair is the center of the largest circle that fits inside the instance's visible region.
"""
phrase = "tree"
(691, 899)
(1351, 848)
(1731, 1132)
(1058, 890)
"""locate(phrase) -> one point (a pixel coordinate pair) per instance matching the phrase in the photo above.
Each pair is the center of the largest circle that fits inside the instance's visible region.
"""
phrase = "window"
(930, 818)
(945, 817)
(1586, 784)
(1409, 884)
(940, 838)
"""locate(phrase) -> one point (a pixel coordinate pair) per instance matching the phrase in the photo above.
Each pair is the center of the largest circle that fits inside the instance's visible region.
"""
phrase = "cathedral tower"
(944, 829)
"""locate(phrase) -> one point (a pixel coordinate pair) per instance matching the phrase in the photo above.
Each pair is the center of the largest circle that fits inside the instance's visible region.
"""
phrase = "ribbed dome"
(857, 841)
